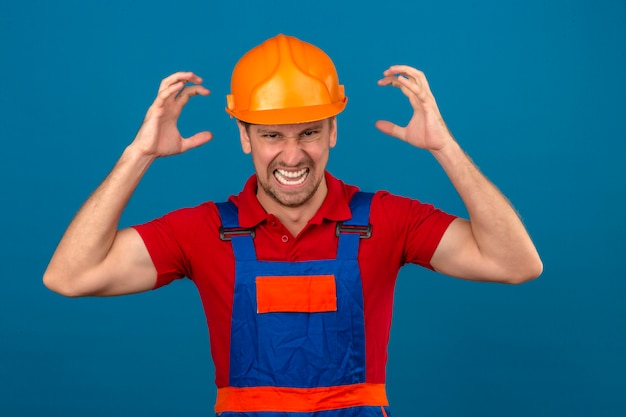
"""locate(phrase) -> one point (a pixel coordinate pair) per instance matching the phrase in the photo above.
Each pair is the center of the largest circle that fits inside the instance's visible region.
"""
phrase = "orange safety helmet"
(284, 81)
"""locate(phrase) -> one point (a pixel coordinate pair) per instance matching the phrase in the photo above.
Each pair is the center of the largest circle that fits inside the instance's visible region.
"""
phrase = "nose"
(292, 151)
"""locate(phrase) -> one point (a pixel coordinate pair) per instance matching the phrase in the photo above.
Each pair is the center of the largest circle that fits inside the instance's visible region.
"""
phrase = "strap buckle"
(227, 233)
(364, 232)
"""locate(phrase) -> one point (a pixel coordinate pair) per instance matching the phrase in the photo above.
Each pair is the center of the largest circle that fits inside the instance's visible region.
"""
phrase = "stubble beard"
(285, 198)
(290, 200)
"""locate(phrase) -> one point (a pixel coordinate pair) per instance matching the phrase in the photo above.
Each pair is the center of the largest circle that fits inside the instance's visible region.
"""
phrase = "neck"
(294, 218)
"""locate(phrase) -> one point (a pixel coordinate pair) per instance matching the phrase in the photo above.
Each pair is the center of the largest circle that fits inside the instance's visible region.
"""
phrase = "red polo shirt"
(186, 243)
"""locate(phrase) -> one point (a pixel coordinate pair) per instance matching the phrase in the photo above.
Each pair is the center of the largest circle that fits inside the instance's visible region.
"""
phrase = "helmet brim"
(290, 115)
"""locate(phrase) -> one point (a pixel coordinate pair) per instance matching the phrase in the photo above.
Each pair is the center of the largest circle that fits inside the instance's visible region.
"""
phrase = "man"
(296, 273)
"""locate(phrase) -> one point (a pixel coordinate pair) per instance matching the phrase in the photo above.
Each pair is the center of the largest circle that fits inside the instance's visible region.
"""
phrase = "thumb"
(390, 129)
(196, 140)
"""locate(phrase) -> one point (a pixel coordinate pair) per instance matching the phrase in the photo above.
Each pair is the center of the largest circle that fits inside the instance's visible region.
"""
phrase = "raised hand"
(159, 135)
(426, 129)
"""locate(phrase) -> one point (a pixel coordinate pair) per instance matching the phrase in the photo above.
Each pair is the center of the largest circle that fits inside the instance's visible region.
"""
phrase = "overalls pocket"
(296, 294)
(297, 327)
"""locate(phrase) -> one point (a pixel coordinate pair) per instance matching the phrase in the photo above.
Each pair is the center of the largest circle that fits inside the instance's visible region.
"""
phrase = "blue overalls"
(299, 353)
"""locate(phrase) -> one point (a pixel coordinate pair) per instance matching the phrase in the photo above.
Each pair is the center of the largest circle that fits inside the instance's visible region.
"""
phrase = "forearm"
(90, 235)
(494, 244)
(93, 257)
(499, 234)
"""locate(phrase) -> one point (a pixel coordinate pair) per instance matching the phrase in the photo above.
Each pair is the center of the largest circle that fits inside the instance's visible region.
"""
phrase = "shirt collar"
(334, 208)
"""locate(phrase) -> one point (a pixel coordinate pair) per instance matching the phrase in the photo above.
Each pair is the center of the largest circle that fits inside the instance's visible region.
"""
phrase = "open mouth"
(291, 178)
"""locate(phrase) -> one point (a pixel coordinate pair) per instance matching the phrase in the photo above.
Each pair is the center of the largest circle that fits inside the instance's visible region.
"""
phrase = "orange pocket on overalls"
(296, 294)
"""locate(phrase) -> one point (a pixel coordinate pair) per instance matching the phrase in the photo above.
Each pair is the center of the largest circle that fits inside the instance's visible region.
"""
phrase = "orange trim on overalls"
(299, 400)
(296, 294)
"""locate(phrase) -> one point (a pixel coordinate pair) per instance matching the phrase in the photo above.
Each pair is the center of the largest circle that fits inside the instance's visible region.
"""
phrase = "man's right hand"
(159, 135)
(93, 256)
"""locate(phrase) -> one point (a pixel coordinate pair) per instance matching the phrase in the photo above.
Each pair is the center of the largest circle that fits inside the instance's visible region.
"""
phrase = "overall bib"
(297, 334)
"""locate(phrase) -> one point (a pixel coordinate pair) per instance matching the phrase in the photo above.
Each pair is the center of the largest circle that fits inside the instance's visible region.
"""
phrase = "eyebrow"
(315, 126)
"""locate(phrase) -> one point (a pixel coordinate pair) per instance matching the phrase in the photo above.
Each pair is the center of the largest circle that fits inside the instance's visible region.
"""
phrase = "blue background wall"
(533, 90)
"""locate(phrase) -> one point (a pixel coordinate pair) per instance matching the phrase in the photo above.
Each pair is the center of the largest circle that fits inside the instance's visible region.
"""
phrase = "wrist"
(448, 153)
(134, 152)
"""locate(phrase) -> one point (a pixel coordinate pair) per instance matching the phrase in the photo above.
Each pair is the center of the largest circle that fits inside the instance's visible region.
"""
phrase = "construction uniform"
(293, 335)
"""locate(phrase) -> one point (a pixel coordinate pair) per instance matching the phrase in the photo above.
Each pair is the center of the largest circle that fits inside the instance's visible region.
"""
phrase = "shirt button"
(285, 238)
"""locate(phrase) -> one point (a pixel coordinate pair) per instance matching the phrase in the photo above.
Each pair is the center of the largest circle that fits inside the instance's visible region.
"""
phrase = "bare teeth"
(291, 177)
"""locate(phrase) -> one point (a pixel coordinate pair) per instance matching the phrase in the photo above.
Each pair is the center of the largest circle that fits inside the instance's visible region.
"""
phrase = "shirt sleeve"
(168, 239)
(415, 226)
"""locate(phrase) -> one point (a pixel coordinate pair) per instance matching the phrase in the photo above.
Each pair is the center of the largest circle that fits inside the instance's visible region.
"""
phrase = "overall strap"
(241, 238)
(358, 227)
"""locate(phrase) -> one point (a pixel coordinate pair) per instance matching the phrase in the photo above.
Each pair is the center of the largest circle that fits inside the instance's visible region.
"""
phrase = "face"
(290, 160)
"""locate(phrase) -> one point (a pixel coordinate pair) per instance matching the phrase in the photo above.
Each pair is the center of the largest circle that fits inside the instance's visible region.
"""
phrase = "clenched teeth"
(291, 177)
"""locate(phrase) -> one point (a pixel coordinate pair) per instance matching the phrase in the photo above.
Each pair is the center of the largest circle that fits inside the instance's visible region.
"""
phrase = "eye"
(270, 135)
(310, 134)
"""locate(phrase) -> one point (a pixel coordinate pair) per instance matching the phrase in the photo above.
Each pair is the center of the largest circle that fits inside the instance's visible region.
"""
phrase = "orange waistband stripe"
(301, 400)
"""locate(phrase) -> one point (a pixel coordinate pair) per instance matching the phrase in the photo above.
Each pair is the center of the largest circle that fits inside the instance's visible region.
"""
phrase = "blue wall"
(533, 90)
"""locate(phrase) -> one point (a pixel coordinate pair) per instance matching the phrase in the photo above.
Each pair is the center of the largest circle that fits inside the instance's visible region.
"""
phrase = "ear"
(333, 131)
(244, 137)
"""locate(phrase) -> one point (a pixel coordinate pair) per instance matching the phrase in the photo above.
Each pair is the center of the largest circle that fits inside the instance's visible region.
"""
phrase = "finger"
(416, 76)
(188, 92)
(184, 76)
(406, 86)
(411, 82)
(169, 92)
(196, 140)
(405, 70)
(391, 129)
(391, 77)
(413, 89)
(409, 72)
(385, 81)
